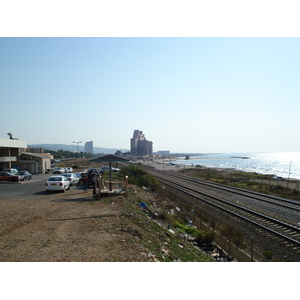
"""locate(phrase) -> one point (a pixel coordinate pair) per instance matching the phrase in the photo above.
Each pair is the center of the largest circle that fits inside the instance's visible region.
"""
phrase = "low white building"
(35, 162)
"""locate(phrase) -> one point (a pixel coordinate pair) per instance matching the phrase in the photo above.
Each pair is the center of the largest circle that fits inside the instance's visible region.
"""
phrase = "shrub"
(204, 236)
(138, 176)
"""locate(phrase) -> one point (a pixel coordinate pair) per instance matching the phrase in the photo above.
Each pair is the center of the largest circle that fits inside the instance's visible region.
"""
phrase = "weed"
(186, 229)
(235, 235)
(246, 180)
(204, 236)
(163, 215)
(267, 254)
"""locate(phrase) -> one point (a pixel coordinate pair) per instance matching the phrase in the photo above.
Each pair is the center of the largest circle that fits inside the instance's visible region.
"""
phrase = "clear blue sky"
(185, 94)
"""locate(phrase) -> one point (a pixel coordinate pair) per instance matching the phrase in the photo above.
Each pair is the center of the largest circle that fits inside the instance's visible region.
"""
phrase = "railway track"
(284, 203)
(275, 216)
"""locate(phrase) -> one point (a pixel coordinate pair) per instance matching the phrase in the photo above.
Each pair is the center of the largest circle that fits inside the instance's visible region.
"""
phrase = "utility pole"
(289, 174)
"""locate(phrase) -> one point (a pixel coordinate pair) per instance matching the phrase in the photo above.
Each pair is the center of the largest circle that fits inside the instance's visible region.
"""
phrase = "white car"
(72, 177)
(58, 170)
(57, 183)
(104, 169)
(12, 171)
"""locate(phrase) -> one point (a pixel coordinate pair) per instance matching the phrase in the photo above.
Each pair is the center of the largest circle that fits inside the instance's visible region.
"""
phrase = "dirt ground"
(74, 227)
(68, 227)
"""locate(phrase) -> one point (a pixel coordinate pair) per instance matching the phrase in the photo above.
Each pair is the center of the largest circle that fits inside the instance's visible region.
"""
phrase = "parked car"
(79, 175)
(25, 175)
(57, 183)
(69, 170)
(12, 171)
(58, 170)
(6, 176)
(72, 177)
(277, 178)
(104, 169)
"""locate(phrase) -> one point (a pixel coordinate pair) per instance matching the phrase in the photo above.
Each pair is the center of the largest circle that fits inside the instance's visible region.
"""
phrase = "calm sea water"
(283, 164)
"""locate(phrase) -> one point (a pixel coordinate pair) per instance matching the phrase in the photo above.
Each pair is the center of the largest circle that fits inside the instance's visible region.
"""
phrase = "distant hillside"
(73, 148)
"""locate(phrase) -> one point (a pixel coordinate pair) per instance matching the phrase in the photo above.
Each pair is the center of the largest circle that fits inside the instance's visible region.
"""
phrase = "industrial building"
(15, 154)
(139, 145)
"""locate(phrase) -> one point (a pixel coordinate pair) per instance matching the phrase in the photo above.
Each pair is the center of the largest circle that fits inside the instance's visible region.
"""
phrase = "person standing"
(84, 180)
(95, 182)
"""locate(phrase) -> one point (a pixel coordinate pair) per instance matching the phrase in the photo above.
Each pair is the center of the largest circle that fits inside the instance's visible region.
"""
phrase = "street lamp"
(77, 146)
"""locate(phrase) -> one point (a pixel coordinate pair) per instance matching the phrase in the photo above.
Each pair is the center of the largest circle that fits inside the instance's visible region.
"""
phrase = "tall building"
(139, 145)
(89, 147)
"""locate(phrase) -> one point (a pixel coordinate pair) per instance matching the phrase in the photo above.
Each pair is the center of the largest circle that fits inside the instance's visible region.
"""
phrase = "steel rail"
(239, 191)
(186, 190)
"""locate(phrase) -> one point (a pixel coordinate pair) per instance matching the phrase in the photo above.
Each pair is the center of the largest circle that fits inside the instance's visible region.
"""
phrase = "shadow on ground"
(89, 217)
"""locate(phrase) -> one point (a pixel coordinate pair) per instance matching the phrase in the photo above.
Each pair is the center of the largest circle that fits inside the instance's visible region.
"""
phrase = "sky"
(199, 94)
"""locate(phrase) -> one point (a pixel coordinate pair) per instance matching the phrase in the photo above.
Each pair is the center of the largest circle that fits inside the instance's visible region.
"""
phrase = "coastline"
(160, 164)
(280, 164)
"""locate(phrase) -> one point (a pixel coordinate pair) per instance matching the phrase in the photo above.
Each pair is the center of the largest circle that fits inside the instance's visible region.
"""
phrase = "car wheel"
(64, 189)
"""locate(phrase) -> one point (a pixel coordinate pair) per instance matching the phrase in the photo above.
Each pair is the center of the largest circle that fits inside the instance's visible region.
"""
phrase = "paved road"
(28, 188)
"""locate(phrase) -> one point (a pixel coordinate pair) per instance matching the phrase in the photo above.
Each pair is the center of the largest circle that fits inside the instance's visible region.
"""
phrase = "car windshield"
(55, 179)
(67, 175)
(21, 173)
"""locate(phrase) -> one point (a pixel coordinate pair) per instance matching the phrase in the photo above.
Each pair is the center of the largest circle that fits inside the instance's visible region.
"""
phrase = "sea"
(280, 164)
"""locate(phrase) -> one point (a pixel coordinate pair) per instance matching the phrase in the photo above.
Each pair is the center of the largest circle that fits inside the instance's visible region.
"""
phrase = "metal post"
(110, 177)
(251, 249)
(289, 175)
(100, 184)
(126, 186)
